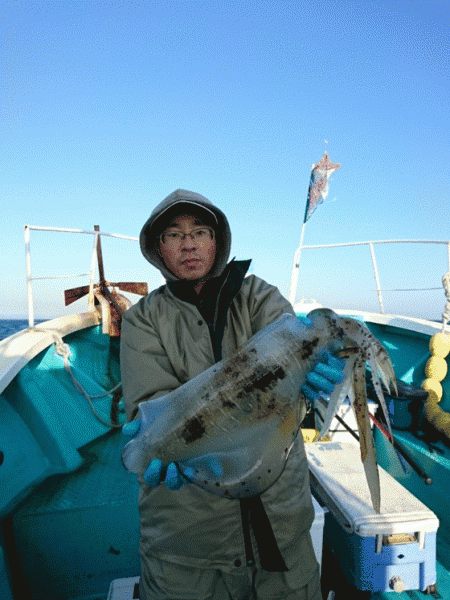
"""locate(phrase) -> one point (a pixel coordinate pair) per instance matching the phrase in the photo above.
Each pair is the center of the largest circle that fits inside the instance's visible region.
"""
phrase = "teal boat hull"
(70, 522)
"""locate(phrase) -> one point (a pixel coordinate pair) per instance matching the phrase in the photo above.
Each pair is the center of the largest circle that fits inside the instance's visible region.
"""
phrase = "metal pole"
(29, 285)
(65, 230)
(91, 275)
(380, 299)
(295, 269)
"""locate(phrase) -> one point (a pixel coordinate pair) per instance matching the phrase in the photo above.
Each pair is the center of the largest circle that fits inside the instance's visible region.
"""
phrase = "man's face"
(190, 259)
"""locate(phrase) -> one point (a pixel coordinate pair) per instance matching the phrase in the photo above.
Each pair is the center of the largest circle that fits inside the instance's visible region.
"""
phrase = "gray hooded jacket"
(165, 342)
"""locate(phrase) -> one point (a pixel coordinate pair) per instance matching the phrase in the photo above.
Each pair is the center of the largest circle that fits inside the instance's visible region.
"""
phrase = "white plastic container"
(124, 589)
(317, 531)
(393, 550)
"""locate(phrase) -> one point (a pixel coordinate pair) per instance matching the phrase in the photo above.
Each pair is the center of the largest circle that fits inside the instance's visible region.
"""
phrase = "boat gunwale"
(399, 321)
(19, 349)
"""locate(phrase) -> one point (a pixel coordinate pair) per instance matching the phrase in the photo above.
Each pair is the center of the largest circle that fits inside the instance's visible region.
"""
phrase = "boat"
(68, 508)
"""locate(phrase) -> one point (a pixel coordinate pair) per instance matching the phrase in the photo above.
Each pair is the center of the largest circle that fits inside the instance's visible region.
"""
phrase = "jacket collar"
(233, 273)
(214, 299)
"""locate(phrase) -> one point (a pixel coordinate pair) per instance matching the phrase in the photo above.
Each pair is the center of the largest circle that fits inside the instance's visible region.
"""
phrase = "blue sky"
(109, 106)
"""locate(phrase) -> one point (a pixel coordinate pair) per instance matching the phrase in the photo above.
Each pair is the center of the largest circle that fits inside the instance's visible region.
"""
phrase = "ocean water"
(10, 326)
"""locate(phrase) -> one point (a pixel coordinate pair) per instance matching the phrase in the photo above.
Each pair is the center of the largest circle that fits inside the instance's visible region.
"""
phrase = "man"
(194, 544)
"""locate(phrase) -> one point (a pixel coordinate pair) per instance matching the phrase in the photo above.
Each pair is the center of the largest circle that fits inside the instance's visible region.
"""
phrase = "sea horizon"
(11, 326)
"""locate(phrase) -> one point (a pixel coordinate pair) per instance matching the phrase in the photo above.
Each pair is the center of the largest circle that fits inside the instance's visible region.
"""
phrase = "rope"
(63, 350)
(446, 313)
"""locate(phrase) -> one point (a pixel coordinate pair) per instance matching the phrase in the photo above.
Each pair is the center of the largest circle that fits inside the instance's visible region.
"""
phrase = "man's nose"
(188, 242)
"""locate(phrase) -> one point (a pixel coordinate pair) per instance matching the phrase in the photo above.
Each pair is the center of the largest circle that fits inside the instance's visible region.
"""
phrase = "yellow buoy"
(440, 345)
(430, 411)
(432, 397)
(436, 368)
(433, 385)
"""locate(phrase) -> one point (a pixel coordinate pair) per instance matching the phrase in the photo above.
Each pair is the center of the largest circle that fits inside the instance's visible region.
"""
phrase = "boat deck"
(94, 511)
(84, 527)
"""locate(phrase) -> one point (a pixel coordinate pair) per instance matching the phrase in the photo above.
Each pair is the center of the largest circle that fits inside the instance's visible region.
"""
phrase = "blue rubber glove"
(323, 378)
(156, 472)
(325, 375)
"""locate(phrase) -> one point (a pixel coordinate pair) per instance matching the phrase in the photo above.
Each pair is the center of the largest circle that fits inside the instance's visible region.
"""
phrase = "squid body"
(235, 424)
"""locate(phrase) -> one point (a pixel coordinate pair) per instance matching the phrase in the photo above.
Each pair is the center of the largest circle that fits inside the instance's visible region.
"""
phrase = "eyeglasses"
(173, 238)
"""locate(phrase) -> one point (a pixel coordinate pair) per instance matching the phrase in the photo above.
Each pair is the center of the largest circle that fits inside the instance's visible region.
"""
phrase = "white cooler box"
(393, 550)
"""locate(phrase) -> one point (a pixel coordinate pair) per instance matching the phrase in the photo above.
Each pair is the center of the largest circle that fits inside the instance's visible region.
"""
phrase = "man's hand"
(156, 471)
(323, 378)
(325, 375)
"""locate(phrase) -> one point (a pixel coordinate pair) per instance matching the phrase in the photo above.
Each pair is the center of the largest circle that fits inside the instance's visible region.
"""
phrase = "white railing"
(30, 279)
(371, 244)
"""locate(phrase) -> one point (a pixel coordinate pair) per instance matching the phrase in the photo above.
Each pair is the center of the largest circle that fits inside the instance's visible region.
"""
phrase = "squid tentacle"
(367, 447)
(338, 396)
(379, 391)
(370, 350)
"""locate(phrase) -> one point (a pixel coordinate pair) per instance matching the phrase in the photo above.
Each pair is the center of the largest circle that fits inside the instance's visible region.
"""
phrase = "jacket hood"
(176, 203)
